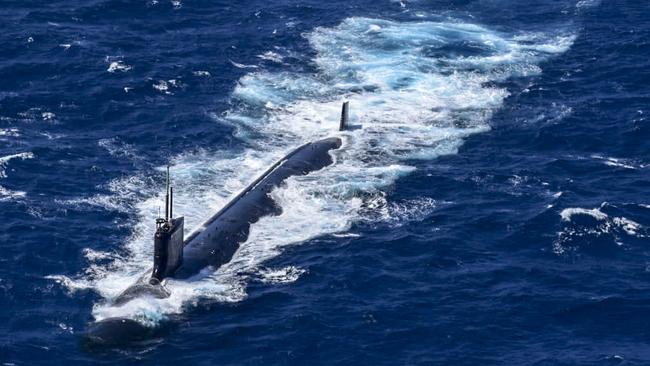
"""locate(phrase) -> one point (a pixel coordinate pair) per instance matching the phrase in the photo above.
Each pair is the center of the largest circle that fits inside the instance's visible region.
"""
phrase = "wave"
(6, 194)
(9, 132)
(620, 163)
(598, 224)
(417, 88)
(118, 66)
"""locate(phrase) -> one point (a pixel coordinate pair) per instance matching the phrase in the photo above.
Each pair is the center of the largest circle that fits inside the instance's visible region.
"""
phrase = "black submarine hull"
(117, 331)
(215, 242)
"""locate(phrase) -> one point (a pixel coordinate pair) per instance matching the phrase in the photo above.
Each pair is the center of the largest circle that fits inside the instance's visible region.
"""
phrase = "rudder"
(345, 115)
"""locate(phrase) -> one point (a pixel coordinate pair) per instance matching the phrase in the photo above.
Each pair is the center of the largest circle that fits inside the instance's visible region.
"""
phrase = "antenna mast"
(167, 196)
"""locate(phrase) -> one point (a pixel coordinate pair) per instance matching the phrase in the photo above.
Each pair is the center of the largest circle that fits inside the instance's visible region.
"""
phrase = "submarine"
(214, 242)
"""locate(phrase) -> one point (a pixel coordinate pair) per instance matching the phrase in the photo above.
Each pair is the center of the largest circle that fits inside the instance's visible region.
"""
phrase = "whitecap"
(4, 160)
(97, 255)
(619, 163)
(597, 214)
(271, 56)
(48, 116)
(119, 148)
(9, 132)
(281, 275)
(585, 4)
(242, 66)
(629, 226)
(162, 86)
(118, 66)
(8, 195)
(71, 285)
(605, 225)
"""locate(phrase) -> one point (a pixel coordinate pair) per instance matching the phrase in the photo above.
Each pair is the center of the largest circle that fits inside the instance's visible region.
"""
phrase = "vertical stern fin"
(345, 115)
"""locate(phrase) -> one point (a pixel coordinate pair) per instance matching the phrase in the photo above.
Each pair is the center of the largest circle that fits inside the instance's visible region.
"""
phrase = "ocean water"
(490, 207)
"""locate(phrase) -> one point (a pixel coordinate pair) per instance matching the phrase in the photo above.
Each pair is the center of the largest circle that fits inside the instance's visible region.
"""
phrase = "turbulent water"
(489, 205)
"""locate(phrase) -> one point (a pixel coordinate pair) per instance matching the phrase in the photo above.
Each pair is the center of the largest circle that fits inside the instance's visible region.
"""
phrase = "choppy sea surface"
(490, 207)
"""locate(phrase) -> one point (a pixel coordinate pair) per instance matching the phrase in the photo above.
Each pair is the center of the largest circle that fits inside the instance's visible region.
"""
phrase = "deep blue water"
(492, 209)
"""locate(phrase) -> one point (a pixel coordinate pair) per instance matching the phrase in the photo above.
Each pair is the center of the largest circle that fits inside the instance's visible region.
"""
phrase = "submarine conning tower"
(168, 240)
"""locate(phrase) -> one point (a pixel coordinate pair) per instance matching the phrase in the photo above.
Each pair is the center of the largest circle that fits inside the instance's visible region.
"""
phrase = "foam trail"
(418, 88)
